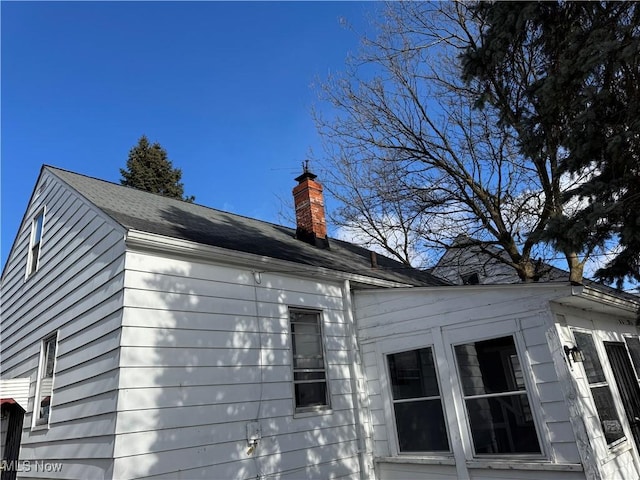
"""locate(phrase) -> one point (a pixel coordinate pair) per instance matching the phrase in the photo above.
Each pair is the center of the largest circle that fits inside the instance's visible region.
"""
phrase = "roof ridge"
(182, 202)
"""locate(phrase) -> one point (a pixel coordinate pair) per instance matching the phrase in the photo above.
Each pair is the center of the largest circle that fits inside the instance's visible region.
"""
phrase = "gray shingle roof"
(148, 212)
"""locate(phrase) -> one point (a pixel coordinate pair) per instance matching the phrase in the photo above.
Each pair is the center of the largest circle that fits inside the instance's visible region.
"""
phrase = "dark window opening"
(471, 279)
(417, 404)
(600, 391)
(493, 386)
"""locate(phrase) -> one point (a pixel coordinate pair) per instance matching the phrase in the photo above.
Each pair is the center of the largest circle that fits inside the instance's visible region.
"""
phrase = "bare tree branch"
(414, 164)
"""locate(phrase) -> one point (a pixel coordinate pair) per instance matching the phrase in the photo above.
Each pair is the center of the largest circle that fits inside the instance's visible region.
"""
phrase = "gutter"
(603, 300)
(609, 298)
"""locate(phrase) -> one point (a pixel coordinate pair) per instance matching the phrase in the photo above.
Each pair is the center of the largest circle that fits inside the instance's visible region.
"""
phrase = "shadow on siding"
(208, 354)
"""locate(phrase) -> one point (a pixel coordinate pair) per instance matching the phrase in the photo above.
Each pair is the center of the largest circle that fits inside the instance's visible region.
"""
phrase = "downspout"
(358, 389)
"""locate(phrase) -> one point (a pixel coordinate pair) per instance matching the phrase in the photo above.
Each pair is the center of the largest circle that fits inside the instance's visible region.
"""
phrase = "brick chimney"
(309, 203)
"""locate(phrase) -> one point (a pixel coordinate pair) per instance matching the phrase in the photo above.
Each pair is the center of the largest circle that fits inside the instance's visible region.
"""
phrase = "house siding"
(405, 319)
(76, 292)
(620, 461)
(205, 350)
(457, 262)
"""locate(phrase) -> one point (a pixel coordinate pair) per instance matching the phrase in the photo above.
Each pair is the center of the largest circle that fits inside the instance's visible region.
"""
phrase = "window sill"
(30, 276)
(40, 427)
(507, 464)
(616, 450)
(313, 413)
(483, 464)
(618, 446)
(418, 460)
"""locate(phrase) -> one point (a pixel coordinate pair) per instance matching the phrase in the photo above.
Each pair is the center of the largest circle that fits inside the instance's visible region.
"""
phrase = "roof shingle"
(148, 212)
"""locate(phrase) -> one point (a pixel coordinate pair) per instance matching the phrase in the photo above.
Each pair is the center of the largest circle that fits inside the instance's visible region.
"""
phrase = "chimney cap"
(306, 174)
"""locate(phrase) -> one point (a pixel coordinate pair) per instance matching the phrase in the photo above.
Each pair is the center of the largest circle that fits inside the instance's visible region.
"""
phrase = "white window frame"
(320, 321)
(457, 337)
(393, 402)
(37, 420)
(35, 240)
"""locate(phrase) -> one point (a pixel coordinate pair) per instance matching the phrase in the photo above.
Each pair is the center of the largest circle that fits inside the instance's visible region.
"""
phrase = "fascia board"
(563, 289)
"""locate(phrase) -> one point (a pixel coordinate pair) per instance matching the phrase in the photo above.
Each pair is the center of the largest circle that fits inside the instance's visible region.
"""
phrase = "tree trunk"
(576, 267)
(526, 271)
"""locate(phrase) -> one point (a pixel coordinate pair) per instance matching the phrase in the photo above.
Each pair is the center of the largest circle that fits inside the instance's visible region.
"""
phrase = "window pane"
(50, 355)
(489, 366)
(421, 426)
(307, 339)
(35, 251)
(502, 425)
(611, 425)
(307, 347)
(44, 403)
(311, 394)
(304, 317)
(37, 228)
(301, 376)
(34, 245)
(633, 343)
(309, 375)
(591, 363)
(42, 408)
(518, 375)
(413, 374)
(305, 328)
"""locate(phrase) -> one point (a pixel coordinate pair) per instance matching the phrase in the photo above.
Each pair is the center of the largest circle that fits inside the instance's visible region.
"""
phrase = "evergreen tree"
(566, 77)
(149, 169)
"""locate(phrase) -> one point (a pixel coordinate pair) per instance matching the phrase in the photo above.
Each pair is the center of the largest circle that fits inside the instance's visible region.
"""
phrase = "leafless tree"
(415, 164)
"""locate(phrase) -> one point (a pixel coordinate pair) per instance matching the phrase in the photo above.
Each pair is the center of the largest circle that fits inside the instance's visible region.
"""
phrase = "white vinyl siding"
(77, 292)
(399, 320)
(206, 350)
(616, 460)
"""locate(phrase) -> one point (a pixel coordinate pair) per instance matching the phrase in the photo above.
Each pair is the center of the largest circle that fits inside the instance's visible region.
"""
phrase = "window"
(36, 240)
(495, 397)
(472, 278)
(45, 381)
(600, 391)
(309, 371)
(417, 404)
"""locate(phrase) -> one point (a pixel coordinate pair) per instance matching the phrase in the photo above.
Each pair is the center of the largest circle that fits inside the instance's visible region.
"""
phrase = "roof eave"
(151, 242)
(594, 299)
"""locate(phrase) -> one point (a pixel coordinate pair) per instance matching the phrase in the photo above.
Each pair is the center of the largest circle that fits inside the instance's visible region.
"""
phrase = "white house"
(154, 338)
(164, 339)
(486, 382)
(471, 262)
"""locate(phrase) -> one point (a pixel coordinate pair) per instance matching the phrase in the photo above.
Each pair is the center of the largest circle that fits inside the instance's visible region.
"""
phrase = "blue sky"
(224, 87)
